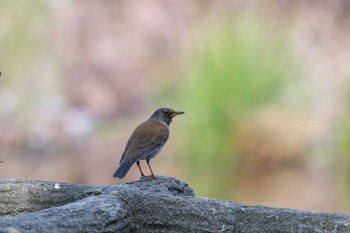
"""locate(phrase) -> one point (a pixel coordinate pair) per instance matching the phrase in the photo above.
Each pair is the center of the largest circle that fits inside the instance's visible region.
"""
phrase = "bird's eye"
(166, 113)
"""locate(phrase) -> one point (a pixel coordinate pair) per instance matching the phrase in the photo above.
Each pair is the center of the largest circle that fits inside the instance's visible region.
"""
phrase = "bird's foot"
(151, 177)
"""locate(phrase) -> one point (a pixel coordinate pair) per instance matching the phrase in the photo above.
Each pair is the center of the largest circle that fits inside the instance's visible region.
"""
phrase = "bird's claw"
(151, 177)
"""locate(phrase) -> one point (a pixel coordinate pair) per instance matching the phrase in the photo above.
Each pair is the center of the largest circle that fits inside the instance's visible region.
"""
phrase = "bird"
(146, 142)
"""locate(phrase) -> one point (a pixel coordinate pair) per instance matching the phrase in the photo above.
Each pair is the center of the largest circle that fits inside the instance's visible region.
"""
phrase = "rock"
(165, 204)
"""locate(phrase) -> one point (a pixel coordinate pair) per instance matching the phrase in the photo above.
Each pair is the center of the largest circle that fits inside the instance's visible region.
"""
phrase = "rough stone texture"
(165, 204)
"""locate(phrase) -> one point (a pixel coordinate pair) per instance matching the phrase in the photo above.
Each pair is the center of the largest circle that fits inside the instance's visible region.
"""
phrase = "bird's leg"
(151, 176)
(138, 164)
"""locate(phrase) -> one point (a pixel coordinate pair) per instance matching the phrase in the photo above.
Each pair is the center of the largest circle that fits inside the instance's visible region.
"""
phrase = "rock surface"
(165, 204)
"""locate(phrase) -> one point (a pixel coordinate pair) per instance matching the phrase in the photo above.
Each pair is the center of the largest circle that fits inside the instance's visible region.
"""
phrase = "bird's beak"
(176, 113)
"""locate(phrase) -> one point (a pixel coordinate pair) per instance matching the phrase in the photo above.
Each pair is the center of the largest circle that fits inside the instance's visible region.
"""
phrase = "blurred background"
(264, 84)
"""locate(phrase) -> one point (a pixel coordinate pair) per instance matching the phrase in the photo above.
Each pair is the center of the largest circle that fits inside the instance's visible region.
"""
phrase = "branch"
(165, 204)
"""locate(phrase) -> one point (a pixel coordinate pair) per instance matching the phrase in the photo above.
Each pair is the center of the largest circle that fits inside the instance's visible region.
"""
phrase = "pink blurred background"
(79, 76)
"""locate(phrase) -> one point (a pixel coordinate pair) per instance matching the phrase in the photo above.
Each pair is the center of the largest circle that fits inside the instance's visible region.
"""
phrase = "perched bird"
(146, 141)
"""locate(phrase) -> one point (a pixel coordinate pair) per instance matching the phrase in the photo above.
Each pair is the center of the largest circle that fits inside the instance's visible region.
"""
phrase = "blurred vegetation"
(263, 79)
(238, 67)
(341, 158)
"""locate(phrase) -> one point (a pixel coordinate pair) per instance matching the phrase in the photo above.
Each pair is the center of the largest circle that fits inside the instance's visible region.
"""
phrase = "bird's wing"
(130, 142)
(146, 140)
(153, 143)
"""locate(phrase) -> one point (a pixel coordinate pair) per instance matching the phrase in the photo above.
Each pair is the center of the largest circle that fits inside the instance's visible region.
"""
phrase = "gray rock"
(165, 204)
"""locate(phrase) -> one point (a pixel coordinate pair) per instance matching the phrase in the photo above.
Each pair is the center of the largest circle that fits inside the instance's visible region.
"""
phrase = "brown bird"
(146, 141)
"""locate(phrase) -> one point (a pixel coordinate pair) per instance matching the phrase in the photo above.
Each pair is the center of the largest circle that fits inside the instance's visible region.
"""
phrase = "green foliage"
(21, 26)
(341, 161)
(235, 69)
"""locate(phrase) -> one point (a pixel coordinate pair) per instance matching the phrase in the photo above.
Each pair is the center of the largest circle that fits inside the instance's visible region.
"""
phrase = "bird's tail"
(123, 169)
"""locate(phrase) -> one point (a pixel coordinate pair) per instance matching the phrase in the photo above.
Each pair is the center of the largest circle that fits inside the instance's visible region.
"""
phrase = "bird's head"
(165, 115)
